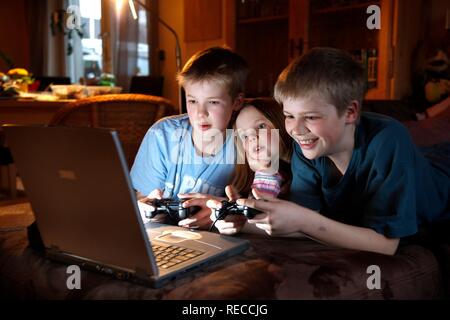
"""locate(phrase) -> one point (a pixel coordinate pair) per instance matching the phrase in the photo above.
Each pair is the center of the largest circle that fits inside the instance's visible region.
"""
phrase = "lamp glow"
(133, 9)
(119, 5)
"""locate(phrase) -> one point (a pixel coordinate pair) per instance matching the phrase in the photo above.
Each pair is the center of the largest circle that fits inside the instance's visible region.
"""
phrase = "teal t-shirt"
(389, 185)
(167, 160)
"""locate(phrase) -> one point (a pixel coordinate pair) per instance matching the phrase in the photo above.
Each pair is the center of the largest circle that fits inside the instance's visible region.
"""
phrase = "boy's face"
(209, 106)
(316, 126)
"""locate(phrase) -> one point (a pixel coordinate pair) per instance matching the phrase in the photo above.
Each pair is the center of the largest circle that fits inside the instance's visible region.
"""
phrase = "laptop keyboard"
(169, 256)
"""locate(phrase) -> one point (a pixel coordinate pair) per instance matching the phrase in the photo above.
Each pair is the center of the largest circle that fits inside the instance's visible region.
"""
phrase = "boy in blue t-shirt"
(193, 155)
(359, 182)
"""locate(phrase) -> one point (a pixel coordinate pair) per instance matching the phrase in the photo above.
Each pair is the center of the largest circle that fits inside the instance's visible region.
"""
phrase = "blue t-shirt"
(389, 186)
(168, 160)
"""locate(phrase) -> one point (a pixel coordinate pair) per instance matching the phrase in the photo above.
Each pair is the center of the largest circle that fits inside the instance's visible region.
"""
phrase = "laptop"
(78, 184)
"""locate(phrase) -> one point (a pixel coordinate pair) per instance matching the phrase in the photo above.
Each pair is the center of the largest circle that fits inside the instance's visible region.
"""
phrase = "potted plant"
(20, 78)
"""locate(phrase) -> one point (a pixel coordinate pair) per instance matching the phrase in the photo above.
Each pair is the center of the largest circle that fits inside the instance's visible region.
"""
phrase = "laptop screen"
(78, 184)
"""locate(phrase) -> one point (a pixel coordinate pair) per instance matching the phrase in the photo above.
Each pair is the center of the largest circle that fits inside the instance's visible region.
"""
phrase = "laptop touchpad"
(176, 236)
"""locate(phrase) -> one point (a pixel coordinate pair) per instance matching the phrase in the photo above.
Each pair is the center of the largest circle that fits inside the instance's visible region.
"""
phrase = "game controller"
(231, 207)
(174, 208)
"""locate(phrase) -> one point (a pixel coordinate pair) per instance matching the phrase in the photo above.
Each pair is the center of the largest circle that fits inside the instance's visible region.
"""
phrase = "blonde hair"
(217, 64)
(243, 175)
(327, 72)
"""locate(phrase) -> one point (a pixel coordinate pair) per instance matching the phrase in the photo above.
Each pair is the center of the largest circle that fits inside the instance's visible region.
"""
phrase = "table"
(26, 111)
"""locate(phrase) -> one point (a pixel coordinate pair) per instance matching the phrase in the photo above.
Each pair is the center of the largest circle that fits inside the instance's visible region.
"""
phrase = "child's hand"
(232, 224)
(232, 195)
(201, 218)
(144, 207)
(279, 217)
(258, 195)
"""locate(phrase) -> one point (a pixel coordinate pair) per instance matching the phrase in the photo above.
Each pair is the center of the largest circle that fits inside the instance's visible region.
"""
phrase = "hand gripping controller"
(174, 208)
(231, 207)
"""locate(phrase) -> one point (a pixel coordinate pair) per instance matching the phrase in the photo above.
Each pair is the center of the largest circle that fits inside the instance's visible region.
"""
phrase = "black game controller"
(174, 208)
(231, 207)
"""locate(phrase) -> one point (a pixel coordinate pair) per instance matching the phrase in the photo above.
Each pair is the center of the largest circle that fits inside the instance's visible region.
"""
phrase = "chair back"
(130, 114)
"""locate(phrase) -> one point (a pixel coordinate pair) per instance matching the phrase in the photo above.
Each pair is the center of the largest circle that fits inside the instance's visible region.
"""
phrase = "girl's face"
(255, 133)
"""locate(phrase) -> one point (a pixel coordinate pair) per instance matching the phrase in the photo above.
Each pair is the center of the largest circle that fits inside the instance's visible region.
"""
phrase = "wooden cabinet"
(262, 30)
(343, 24)
(270, 33)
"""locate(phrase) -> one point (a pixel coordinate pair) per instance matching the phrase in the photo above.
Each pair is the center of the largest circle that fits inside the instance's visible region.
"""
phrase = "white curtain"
(125, 34)
(120, 34)
(74, 62)
(48, 51)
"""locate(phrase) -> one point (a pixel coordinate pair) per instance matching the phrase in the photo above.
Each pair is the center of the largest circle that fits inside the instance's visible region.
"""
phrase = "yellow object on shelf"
(22, 87)
(19, 72)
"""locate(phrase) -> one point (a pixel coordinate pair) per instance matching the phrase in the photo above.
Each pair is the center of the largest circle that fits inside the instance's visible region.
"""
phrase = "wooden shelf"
(345, 7)
(278, 18)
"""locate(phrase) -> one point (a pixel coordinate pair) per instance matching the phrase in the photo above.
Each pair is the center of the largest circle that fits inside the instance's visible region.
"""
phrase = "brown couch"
(275, 268)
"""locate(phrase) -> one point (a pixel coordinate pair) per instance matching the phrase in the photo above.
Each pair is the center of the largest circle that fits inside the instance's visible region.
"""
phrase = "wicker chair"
(130, 114)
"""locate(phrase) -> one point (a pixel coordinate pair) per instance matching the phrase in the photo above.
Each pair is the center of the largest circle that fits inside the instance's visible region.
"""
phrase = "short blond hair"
(217, 64)
(324, 72)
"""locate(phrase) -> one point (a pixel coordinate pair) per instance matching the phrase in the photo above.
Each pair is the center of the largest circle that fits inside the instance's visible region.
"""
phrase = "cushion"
(431, 130)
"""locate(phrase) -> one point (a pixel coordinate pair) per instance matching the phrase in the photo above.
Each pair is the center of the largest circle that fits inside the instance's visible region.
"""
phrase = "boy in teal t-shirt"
(358, 182)
(389, 186)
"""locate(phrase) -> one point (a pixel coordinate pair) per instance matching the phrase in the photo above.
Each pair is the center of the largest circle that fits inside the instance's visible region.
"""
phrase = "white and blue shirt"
(167, 160)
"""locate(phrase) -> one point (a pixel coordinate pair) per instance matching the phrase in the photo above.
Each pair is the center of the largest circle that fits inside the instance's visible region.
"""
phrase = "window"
(88, 58)
(91, 43)
(143, 56)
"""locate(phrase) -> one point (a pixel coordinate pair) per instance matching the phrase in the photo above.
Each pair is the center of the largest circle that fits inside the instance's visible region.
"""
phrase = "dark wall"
(14, 37)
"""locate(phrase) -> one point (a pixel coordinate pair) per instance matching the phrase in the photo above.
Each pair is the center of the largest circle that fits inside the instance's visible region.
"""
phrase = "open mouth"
(308, 143)
(258, 151)
(204, 127)
(260, 155)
